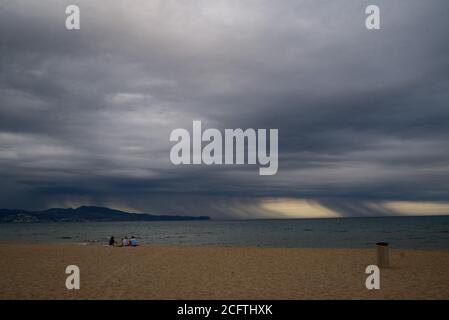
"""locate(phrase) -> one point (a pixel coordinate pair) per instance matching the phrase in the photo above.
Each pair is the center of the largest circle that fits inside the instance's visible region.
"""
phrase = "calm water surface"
(400, 232)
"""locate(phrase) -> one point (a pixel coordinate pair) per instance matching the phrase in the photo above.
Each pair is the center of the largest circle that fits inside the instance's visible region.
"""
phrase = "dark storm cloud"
(85, 116)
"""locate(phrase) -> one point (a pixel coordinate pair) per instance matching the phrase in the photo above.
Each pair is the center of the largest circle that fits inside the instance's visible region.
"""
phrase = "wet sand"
(182, 272)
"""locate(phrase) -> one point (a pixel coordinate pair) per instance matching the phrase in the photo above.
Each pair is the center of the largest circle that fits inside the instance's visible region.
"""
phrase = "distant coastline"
(85, 214)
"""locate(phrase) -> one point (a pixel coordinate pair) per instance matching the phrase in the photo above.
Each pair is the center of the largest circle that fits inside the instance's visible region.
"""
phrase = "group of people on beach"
(125, 242)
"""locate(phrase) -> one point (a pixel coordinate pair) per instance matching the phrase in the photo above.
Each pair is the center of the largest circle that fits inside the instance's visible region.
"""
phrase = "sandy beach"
(182, 272)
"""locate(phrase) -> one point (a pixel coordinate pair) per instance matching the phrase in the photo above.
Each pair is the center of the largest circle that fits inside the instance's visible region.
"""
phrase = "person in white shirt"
(125, 242)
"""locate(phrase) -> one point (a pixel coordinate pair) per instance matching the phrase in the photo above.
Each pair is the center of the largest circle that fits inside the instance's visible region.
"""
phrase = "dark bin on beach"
(383, 255)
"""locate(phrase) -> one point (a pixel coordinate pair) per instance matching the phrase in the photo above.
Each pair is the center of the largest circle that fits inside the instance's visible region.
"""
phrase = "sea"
(400, 232)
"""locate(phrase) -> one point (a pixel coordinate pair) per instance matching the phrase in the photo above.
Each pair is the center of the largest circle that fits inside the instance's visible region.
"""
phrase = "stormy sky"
(363, 116)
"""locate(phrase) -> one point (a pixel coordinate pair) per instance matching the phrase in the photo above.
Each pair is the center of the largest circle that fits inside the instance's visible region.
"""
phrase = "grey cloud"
(85, 116)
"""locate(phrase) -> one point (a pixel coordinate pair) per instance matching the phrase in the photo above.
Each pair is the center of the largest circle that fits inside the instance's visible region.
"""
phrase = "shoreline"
(37, 271)
(187, 245)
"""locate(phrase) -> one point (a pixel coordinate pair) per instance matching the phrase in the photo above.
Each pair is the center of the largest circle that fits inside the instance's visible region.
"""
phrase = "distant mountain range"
(85, 214)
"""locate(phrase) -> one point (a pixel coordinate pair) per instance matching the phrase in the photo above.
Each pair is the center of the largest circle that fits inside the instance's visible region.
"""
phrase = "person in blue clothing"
(133, 242)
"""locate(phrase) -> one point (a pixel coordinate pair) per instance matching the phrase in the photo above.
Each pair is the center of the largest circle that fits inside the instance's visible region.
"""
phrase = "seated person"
(133, 242)
(125, 242)
(112, 241)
